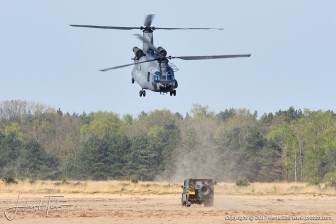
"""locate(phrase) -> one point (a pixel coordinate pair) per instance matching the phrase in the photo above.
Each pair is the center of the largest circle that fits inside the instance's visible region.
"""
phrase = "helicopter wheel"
(142, 93)
(132, 81)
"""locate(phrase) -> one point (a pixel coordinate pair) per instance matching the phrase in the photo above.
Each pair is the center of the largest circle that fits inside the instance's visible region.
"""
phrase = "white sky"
(292, 44)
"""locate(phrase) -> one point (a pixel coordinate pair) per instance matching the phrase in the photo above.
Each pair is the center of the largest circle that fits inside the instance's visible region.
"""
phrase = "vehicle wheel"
(187, 204)
(171, 93)
(140, 93)
(174, 92)
(182, 202)
(211, 203)
(144, 93)
(132, 81)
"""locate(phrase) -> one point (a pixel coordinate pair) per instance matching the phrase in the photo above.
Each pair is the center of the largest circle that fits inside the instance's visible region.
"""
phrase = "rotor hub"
(148, 29)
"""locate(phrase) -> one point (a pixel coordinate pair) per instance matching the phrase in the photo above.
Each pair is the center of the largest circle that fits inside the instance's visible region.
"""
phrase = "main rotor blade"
(109, 27)
(148, 20)
(150, 45)
(210, 57)
(173, 28)
(121, 66)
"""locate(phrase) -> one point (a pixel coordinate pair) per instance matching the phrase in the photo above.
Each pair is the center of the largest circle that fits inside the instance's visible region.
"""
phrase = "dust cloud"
(198, 155)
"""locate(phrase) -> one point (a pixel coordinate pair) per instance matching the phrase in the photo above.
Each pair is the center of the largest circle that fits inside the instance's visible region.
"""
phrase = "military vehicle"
(198, 191)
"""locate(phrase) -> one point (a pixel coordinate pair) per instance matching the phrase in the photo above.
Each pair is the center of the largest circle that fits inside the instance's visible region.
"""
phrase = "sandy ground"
(85, 209)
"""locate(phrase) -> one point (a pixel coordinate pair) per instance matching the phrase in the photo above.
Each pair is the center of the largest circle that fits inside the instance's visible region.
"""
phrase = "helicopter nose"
(165, 86)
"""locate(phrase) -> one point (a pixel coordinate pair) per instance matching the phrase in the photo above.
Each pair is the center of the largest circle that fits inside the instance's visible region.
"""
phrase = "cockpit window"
(157, 76)
(167, 76)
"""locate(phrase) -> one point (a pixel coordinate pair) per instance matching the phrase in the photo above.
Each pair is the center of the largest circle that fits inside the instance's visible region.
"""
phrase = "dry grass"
(158, 188)
(281, 188)
(91, 187)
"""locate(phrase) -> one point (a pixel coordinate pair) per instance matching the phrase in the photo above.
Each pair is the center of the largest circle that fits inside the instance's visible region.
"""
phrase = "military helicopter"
(152, 69)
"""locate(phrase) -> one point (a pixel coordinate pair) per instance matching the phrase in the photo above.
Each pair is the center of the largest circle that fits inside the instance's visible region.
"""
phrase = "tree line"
(41, 142)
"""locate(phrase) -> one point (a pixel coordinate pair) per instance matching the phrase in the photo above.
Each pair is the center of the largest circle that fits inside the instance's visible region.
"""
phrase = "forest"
(41, 142)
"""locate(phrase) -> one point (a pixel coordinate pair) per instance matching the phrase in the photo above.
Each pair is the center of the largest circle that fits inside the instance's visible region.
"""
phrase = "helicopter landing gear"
(132, 81)
(142, 93)
(173, 92)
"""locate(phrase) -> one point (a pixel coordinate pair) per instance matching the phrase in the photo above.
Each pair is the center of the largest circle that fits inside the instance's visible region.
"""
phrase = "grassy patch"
(158, 188)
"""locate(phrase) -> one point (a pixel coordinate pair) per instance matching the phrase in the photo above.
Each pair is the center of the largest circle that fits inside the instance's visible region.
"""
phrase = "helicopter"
(151, 67)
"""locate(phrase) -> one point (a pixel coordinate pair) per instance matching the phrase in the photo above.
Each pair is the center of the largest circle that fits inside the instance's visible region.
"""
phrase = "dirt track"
(87, 209)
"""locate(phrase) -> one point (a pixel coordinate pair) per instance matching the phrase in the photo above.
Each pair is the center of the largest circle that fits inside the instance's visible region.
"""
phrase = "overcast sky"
(292, 43)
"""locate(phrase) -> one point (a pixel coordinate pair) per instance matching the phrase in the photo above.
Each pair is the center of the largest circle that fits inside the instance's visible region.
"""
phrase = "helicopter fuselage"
(157, 76)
